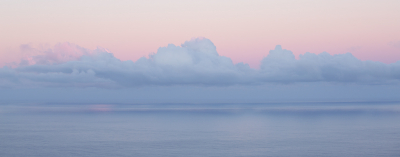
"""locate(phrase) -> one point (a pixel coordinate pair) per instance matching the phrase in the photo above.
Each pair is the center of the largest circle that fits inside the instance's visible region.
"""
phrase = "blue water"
(150, 130)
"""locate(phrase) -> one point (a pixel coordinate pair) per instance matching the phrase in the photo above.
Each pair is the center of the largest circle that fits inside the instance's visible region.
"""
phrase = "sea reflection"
(274, 129)
(293, 107)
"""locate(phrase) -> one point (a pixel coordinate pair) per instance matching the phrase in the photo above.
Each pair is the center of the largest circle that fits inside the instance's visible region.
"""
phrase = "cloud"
(281, 66)
(43, 54)
(195, 62)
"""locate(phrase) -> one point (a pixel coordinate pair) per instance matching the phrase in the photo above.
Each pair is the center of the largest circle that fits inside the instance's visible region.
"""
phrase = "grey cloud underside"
(196, 62)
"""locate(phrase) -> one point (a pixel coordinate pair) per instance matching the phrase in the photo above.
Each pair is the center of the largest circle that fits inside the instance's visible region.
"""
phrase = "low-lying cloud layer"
(195, 62)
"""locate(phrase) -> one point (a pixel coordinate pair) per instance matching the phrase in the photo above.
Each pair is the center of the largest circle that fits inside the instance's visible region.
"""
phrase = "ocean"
(201, 130)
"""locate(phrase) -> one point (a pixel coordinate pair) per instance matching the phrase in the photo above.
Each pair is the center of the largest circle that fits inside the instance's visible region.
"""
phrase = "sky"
(243, 30)
(249, 46)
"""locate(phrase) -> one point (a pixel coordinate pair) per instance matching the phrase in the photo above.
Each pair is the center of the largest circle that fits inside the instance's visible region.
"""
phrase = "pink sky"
(242, 30)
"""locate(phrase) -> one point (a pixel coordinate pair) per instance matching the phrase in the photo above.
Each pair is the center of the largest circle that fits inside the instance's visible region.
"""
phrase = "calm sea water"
(200, 130)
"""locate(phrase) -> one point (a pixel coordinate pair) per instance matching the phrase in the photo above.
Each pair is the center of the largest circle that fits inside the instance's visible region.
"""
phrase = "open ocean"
(201, 130)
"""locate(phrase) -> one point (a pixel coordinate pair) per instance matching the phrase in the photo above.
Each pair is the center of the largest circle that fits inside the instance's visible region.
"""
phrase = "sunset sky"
(242, 30)
(293, 46)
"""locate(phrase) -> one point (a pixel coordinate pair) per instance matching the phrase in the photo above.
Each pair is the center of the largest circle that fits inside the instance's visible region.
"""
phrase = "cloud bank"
(195, 62)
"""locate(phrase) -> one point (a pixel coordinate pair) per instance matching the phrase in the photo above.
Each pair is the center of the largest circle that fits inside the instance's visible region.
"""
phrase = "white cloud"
(280, 65)
(59, 53)
(196, 62)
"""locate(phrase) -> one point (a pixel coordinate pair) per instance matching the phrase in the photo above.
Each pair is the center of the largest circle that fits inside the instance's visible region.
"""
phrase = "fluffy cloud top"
(43, 54)
(195, 62)
(281, 65)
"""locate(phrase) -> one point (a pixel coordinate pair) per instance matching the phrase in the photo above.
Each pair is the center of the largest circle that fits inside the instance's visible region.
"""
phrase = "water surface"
(150, 130)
